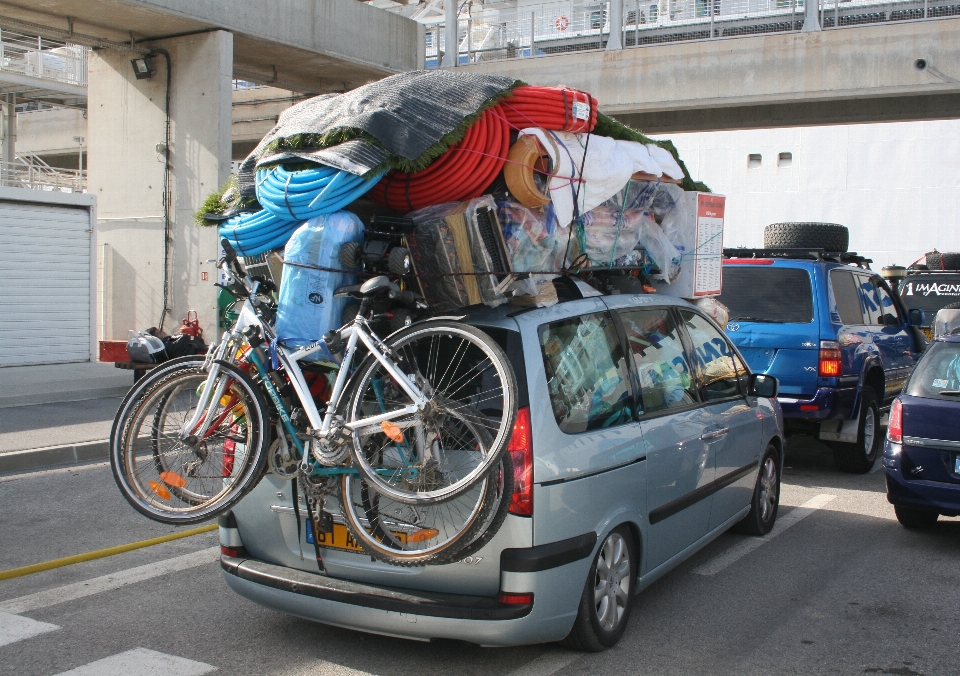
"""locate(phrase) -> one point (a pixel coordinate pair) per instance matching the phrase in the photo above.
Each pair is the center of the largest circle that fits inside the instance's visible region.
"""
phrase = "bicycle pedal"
(322, 522)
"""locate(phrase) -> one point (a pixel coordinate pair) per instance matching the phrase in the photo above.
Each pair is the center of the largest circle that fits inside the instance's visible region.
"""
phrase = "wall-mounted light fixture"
(142, 67)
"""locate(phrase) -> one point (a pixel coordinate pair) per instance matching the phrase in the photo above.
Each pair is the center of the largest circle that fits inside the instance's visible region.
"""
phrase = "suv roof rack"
(812, 254)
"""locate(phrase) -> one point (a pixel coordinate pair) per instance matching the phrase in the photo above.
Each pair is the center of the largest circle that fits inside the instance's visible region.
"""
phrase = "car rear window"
(938, 373)
(755, 293)
(930, 293)
(511, 343)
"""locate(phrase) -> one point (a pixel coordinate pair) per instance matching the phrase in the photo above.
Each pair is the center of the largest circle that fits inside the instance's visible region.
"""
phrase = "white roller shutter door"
(45, 270)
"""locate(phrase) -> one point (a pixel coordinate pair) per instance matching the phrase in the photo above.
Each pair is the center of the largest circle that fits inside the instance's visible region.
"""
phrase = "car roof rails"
(811, 254)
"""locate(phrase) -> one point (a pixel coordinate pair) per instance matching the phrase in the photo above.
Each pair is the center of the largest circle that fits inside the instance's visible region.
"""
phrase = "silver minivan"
(641, 437)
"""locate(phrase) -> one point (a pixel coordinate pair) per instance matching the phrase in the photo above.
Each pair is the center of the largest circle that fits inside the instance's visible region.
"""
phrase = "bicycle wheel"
(415, 535)
(185, 480)
(437, 453)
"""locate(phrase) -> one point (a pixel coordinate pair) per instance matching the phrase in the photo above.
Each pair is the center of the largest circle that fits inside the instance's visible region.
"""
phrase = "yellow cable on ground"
(100, 553)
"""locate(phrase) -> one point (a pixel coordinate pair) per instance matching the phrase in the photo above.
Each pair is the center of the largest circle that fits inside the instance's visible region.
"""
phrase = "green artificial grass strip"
(332, 137)
(221, 201)
(607, 126)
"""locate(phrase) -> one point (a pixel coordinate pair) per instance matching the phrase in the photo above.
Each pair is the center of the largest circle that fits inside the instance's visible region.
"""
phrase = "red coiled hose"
(461, 173)
(550, 108)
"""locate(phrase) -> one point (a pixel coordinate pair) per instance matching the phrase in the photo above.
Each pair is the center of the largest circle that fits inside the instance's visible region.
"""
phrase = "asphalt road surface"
(840, 588)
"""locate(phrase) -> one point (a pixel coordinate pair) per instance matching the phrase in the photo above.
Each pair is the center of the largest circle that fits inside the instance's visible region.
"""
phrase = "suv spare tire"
(830, 237)
(943, 261)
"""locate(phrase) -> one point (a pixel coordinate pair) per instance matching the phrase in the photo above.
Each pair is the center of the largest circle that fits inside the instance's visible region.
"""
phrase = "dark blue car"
(839, 341)
(921, 456)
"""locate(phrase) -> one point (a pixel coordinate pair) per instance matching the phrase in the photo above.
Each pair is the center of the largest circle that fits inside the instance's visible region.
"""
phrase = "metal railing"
(40, 176)
(508, 33)
(44, 59)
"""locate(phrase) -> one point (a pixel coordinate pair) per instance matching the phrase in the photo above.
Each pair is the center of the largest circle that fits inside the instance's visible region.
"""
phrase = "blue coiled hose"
(289, 198)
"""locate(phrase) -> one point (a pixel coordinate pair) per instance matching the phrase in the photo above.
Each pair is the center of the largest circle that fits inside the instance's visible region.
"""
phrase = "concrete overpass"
(158, 145)
(303, 45)
(896, 71)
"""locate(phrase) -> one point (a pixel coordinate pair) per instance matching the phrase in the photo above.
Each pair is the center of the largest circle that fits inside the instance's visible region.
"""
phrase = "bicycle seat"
(378, 285)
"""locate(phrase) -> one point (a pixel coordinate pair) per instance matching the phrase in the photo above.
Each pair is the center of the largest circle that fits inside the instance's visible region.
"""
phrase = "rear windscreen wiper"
(752, 319)
(950, 393)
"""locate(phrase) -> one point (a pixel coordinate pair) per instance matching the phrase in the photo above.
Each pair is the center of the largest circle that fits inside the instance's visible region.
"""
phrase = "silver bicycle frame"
(354, 333)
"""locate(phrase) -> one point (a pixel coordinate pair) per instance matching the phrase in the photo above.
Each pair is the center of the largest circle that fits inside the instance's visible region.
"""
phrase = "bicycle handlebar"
(230, 256)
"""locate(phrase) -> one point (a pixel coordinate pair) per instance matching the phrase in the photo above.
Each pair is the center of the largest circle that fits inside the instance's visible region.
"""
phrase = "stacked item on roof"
(502, 184)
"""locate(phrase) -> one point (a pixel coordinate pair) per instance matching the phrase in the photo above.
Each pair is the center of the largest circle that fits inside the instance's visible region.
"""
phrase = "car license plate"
(341, 538)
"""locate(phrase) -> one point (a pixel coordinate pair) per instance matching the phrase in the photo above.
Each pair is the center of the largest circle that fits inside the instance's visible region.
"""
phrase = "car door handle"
(716, 434)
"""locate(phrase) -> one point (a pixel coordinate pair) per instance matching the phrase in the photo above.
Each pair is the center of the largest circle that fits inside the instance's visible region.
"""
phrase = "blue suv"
(839, 341)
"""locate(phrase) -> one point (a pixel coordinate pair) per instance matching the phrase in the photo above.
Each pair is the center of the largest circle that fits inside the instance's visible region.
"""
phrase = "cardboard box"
(701, 267)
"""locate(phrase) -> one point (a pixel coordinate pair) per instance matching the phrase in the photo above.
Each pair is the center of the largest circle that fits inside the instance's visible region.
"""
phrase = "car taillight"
(521, 452)
(508, 599)
(830, 364)
(895, 424)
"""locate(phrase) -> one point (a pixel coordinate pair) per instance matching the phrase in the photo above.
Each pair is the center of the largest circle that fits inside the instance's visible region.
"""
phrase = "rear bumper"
(409, 613)
(827, 403)
(936, 496)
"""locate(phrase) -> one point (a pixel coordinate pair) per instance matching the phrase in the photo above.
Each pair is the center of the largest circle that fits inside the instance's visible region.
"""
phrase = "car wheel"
(350, 255)
(859, 457)
(766, 497)
(829, 236)
(915, 519)
(606, 600)
(399, 262)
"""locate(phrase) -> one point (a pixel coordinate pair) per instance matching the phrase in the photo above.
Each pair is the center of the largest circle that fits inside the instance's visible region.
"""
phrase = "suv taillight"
(521, 452)
(895, 424)
(830, 363)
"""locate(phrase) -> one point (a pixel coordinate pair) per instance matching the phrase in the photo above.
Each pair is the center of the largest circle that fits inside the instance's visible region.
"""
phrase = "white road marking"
(47, 472)
(548, 663)
(324, 668)
(740, 550)
(14, 628)
(141, 662)
(78, 590)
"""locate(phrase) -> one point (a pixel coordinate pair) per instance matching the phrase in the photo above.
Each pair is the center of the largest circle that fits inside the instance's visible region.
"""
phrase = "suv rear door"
(773, 312)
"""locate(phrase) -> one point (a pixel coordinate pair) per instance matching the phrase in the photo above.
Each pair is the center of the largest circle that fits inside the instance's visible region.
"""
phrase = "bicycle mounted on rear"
(412, 440)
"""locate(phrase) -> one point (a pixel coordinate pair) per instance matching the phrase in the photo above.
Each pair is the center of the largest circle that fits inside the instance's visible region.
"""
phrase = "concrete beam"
(765, 80)
(799, 114)
(309, 45)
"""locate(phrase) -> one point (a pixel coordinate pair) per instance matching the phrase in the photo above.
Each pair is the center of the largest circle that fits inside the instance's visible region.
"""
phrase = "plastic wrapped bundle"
(609, 232)
(307, 308)
(535, 242)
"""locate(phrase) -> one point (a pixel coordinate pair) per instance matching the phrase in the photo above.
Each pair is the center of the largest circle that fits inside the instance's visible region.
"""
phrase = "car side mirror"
(762, 385)
(915, 317)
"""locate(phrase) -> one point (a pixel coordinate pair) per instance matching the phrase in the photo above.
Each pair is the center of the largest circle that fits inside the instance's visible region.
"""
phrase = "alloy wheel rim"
(611, 592)
(768, 489)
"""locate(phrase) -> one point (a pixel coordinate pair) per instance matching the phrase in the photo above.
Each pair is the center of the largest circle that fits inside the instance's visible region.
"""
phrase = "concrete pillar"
(811, 16)
(10, 129)
(125, 137)
(450, 32)
(615, 40)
